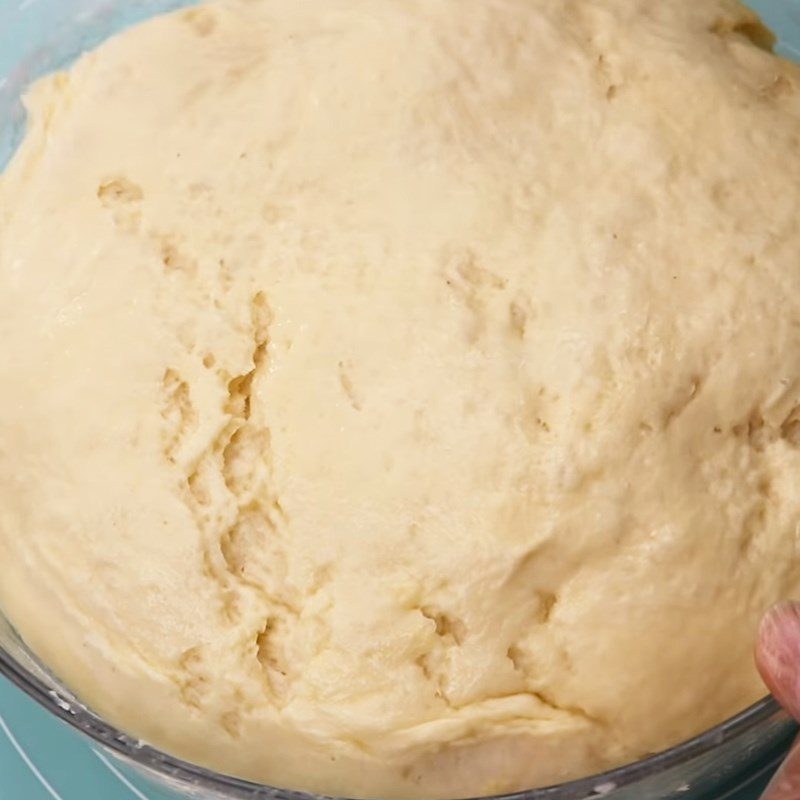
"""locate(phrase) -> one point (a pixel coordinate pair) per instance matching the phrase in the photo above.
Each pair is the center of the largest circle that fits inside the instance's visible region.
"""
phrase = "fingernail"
(778, 654)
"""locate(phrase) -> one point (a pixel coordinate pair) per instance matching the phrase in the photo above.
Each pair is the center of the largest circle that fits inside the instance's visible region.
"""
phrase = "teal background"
(41, 759)
(68, 768)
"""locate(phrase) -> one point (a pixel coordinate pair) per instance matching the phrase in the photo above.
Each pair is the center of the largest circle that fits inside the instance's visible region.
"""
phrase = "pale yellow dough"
(400, 397)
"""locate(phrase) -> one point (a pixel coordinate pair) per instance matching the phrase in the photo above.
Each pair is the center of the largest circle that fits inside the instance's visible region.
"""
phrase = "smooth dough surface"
(400, 397)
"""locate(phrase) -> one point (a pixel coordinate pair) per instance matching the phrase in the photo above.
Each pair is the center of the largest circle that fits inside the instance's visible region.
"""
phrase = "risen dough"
(400, 396)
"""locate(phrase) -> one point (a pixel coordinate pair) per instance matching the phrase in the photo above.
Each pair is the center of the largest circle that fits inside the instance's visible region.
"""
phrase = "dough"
(401, 397)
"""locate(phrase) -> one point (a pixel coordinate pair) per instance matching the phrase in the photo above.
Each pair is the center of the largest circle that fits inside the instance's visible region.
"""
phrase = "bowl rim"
(72, 712)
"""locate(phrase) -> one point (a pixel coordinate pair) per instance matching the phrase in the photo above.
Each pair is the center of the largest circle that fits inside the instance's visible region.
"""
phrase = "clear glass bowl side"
(38, 36)
(705, 768)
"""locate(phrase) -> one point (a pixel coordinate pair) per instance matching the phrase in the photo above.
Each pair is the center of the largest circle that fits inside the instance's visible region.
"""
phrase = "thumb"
(778, 661)
(778, 654)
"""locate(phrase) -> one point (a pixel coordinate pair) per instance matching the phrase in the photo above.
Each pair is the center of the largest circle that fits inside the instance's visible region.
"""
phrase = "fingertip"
(778, 654)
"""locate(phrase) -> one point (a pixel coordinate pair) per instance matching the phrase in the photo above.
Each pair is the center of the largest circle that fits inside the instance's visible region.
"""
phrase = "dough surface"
(402, 397)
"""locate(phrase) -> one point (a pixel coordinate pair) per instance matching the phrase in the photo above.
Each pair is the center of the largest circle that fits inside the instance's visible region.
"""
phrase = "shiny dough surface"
(400, 397)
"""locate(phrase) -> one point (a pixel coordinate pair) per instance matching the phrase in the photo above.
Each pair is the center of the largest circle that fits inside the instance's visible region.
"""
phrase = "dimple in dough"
(400, 398)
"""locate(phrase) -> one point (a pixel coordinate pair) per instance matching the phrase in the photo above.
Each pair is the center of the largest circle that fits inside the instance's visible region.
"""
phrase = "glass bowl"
(729, 762)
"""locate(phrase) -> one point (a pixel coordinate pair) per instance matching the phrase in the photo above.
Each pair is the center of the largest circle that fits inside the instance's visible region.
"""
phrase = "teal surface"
(41, 759)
